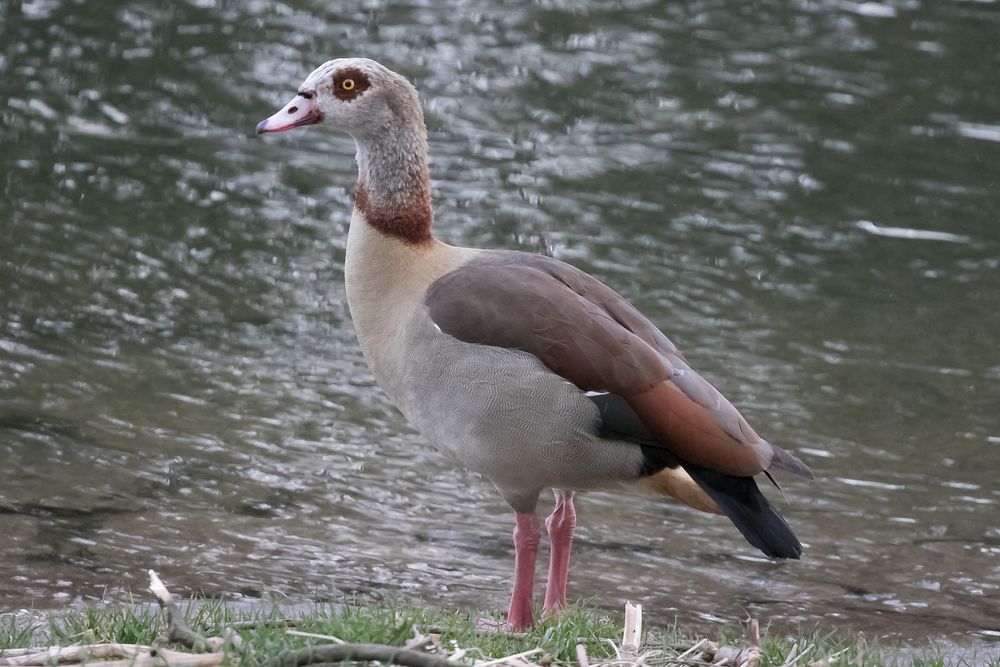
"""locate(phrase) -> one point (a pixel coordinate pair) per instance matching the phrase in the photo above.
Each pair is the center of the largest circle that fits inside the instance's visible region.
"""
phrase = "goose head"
(381, 111)
(356, 95)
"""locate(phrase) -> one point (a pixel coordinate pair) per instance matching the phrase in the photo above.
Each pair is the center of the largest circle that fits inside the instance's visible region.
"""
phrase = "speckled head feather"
(381, 111)
(375, 96)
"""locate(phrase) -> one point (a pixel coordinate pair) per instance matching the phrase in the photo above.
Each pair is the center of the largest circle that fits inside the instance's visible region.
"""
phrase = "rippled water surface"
(805, 195)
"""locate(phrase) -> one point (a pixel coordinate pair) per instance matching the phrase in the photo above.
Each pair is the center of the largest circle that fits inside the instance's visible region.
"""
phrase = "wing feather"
(590, 335)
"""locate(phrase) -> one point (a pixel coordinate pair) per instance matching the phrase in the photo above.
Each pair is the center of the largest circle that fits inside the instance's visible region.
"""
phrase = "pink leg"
(560, 525)
(527, 533)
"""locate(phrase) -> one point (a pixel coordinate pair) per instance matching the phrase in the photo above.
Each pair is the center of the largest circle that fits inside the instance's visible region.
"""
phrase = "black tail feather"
(741, 500)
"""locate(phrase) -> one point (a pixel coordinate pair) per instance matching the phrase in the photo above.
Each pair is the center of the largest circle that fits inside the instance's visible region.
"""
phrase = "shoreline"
(266, 628)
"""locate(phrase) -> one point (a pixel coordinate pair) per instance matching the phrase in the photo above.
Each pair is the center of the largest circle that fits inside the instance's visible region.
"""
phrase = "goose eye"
(347, 84)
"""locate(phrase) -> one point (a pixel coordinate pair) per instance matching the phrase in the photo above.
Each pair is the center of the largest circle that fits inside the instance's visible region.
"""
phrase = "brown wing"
(589, 334)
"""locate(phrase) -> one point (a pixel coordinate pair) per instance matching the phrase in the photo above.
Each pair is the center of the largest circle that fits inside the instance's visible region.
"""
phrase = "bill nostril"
(293, 110)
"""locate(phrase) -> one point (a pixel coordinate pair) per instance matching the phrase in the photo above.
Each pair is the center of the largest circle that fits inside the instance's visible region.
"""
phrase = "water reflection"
(179, 383)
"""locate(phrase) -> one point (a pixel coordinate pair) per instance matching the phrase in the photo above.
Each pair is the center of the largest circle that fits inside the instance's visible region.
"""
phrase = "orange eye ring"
(347, 84)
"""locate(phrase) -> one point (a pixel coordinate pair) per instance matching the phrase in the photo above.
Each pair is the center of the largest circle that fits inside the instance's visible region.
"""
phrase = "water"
(804, 195)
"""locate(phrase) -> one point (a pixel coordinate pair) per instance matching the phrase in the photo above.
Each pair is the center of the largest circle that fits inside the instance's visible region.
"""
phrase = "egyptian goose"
(522, 368)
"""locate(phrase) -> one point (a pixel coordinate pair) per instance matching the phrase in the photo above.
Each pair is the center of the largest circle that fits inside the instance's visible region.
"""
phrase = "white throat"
(386, 280)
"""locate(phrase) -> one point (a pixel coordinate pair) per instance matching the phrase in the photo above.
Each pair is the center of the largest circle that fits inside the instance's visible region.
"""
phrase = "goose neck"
(393, 190)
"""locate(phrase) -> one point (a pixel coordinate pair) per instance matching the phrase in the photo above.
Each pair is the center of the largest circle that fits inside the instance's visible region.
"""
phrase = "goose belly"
(503, 414)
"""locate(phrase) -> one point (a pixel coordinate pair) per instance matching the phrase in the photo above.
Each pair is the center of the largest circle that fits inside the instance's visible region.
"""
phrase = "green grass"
(394, 625)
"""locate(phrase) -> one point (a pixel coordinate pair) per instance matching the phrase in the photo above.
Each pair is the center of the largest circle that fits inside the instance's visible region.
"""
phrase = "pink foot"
(560, 524)
(527, 534)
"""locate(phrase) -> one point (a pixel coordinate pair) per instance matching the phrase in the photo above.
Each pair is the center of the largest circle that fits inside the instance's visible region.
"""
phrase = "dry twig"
(748, 655)
(178, 631)
(795, 655)
(313, 635)
(828, 660)
(632, 635)
(510, 658)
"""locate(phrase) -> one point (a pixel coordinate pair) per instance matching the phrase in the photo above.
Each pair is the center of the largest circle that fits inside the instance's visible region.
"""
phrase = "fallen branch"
(137, 654)
(58, 654)
(253, 625)
(9, 652)
(362, 653)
